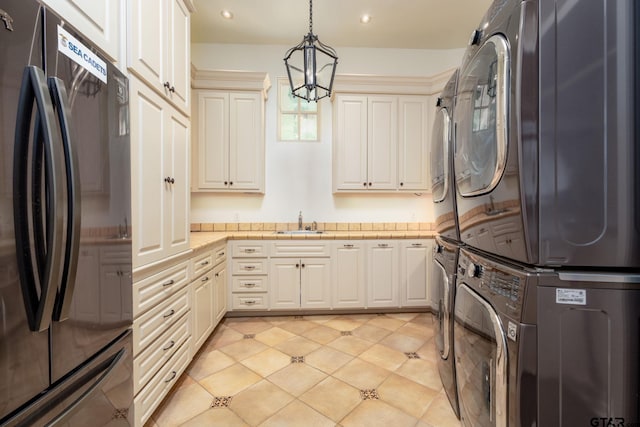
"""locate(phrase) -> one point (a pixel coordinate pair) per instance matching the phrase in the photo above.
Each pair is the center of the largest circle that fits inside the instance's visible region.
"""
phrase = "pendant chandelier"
(311, 66)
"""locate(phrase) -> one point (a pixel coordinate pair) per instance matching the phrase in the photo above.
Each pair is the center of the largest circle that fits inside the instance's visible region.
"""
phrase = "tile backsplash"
(322, 226)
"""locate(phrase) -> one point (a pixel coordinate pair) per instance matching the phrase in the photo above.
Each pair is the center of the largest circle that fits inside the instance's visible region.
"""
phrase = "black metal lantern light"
(311, 66)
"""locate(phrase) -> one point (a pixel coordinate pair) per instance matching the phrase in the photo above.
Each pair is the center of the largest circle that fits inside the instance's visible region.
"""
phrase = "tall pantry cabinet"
(159, 64)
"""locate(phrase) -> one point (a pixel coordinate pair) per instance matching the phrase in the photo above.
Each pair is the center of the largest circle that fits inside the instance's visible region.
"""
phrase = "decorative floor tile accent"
(297, 359)
(369, 394)
(346, 333)
(221, 402)
(121, 414)
(412, 355)
(249, 336)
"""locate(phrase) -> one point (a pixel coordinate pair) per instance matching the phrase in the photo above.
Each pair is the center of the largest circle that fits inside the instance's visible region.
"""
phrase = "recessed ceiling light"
(226, 14)
(365, 19)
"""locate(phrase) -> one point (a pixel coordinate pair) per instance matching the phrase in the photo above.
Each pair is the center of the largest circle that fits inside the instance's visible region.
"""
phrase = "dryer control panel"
(502, 286)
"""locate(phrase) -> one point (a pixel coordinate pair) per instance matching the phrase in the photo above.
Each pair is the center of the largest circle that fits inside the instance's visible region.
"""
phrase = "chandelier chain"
(311, 16)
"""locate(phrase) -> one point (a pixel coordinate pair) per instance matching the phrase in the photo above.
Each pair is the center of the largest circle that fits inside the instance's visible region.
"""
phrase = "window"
(298, 120)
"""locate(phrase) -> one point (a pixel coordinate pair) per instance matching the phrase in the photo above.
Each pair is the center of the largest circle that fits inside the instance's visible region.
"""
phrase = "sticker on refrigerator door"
(81, 54)
(571, 296)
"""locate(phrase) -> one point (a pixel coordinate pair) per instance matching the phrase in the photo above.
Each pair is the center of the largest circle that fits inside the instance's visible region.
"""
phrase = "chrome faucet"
(300, 221)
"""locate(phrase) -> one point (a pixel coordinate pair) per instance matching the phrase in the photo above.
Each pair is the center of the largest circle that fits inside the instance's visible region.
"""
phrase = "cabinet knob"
(401, 184)
(369, 184)
(205, 278)
(204, 263)
(364, 183)
(226, 183)
(217, 274)
(302, 265)
(169, 180)
(167, 85)
(297, 265)
(383, 245)
(172, 89)
(230, 182)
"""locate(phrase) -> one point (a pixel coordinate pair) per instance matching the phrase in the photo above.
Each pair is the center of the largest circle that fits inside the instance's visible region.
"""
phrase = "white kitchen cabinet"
(383, 275)
(230, 139)
(219, 293)
(365, 142)
(300, 283)
(413, 143)
(159, 47)
(160, 176)
(249, 269)
(98, 21)
(415, 270)
(348, 274)
(202, 310)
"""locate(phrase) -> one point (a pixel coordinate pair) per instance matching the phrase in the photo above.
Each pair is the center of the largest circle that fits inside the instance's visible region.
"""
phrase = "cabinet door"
(246, 142)
(98, 21)
(413, 148)
(220, 293)
(202, 311)
(178, 54)
(148, 130)
(383, 275)
(382, 130)
(177, 207)
(415, 268)
(115, 304)
(285, 283)
(350, 143)
(148, 38)
(86, 298)
(211, 158)
(315, 283)
(348, 275)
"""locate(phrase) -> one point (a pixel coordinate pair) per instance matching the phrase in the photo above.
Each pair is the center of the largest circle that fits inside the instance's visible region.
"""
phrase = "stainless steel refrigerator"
(65, 211)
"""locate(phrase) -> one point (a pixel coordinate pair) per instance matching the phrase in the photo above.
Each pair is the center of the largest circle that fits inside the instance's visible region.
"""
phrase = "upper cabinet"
(98, 21)
(228, 138)
(159, 46)
(381, 131)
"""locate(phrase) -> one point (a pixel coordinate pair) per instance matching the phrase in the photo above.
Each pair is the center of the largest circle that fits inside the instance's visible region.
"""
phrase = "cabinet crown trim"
(397, 85)
(230, 80)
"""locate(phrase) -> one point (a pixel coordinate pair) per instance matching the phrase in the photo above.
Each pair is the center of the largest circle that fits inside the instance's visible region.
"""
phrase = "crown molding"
(398, 85)
(230, 80)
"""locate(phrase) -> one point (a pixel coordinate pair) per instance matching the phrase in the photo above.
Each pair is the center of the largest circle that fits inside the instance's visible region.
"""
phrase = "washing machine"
(547, 129)
(441, 159)
(495, 341)
(445, 261)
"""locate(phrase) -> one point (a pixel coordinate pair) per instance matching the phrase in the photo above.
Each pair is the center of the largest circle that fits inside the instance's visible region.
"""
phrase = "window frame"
(284, 82)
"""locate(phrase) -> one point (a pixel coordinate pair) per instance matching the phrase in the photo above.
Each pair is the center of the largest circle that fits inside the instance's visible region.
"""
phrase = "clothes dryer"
(441, 158)
(547, 126)
(445, 260)
(495, 341)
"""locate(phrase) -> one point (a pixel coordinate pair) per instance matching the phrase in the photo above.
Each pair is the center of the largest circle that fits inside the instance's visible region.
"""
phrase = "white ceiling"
(412, 24)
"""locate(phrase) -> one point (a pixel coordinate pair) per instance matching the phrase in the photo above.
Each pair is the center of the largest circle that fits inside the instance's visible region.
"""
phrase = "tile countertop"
(201, 239)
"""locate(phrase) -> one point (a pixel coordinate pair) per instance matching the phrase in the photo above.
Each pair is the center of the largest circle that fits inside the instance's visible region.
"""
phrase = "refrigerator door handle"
(72, 241)
(39, 273)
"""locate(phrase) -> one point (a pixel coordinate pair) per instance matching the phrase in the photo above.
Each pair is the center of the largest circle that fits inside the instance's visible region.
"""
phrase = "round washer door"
(480, 360)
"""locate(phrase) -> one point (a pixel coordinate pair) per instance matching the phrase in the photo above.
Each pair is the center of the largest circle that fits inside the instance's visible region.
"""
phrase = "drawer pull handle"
(173, 375)
(204, 263)
(249, 251)
(217, 274)
(383, 245)
(169, 283)
(169, 314)
(416, 245)
(249, 285)
(349, 246)
(250, 302)
(171, 344)
(221, 254)
(205, 278)
(249, 267)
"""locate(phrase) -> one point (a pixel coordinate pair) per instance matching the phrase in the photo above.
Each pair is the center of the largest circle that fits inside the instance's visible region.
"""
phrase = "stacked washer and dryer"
(541, 316)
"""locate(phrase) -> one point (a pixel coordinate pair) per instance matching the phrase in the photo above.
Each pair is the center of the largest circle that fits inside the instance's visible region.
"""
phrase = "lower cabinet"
(415, 271)
(203, 300)
(348, 274)
(383, 276)
(300, 283)
(219, 292)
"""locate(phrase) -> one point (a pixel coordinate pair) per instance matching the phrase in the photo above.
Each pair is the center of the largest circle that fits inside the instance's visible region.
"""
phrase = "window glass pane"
(308, 127)
(287, 101)
(308, 106)
(289, 127)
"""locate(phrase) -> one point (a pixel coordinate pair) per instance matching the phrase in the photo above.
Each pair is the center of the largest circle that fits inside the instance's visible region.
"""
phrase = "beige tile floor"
(338, 370)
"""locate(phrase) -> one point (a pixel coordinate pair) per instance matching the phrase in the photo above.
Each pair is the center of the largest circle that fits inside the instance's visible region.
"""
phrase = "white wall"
(298, 175)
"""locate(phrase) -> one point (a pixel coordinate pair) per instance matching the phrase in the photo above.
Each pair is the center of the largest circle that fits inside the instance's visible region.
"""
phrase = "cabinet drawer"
(149, 362)
(283, 248)
(250, 283)
(201, 263)
(249, 266)
(250, 301)
(151, 291)
(150, 397)
(115, 255)
(219, 255)
(249, 249)
(153, 323)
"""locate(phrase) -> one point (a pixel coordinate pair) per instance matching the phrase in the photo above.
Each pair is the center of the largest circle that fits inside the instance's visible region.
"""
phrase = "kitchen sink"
(300, 232)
